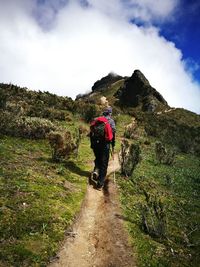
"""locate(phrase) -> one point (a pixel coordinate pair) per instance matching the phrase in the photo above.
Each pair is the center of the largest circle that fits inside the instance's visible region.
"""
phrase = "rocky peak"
(138, 91)
(139, 77)
(104, 82)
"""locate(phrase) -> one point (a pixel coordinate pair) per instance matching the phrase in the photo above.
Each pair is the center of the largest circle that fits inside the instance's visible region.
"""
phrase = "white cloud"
(153, 10)
(84, 44)
(144, 10)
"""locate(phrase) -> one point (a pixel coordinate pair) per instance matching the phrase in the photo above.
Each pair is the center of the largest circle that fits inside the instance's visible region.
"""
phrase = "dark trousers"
(101, 153)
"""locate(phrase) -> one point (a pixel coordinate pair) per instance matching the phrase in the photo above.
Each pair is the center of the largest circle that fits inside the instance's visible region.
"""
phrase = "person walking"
(102, 139)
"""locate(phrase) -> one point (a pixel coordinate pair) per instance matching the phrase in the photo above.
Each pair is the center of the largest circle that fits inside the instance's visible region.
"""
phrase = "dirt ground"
(98, 237)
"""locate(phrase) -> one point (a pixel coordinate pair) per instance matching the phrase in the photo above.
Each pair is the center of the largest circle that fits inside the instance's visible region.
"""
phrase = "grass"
(39, 199)
(177, 189)
(113, 89)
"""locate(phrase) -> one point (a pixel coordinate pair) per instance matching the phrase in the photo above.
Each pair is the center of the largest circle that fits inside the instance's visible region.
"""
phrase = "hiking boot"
(95, 175)
(99, 186)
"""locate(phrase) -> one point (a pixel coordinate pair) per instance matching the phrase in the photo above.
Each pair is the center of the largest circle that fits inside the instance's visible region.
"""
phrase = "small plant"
(129, 157)
(80, 132)
(153, 216)
(130, 130)
(163, 155)
(62, 144)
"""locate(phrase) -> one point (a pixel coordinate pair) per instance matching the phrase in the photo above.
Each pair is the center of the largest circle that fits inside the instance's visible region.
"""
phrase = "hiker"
(102, 138)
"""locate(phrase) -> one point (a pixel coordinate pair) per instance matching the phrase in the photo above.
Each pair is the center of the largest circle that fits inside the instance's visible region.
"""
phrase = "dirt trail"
(98, 237)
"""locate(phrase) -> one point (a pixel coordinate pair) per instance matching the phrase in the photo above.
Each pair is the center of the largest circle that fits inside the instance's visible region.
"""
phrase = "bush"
(33, 128)
(63, 145)
(49, 113)
(153, 216)
(129, 157)
(163, 155)
(17, 108)
(88, 111)
(3, 98)
(130, 130)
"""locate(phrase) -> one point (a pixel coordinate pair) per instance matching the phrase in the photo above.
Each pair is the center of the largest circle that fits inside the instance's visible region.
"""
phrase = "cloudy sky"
(64, 46)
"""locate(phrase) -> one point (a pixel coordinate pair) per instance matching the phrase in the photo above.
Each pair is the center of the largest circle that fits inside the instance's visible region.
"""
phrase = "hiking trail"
(98, 237)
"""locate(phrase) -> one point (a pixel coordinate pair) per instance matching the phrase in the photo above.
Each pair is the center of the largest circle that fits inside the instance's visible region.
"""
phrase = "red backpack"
(100, 130)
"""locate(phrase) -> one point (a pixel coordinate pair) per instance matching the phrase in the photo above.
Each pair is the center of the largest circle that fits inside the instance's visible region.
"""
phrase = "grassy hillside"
(177, 127)
(40, 194)
(161, 205)
(161, 198)
(39, 197)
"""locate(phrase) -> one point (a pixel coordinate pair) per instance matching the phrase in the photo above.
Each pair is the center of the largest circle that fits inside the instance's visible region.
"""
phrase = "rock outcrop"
(106, 81)
(137, 91)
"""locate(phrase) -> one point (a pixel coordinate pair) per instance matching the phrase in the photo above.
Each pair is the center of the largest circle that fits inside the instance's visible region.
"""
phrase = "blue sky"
(64, 46)
(184, 31)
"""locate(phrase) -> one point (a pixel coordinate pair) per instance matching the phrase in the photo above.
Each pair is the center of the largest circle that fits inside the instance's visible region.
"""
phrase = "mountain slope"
(40, 197)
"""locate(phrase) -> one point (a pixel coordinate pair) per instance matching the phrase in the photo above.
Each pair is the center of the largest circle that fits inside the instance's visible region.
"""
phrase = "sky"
(64, 46)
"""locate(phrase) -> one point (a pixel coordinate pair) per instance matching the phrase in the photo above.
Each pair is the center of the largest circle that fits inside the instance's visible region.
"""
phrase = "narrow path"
(98, 237)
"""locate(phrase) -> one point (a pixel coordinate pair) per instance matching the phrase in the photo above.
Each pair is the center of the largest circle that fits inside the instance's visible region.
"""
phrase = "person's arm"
(91, 141)
(114, 131)
(113, 141)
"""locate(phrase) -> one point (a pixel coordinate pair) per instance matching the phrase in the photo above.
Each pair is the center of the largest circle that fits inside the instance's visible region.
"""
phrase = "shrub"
(3, 98)
(163, 155)
(17, 108)
(87, 110)
(63, 145)
(49, 113)
(153, 216)
(20, 126)
(35, 128)
(129, 157)
(90, 112)
(78, 137)
(130, 130)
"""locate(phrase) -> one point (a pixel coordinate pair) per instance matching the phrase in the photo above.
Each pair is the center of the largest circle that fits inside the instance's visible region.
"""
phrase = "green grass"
(38, 199)
(177, 188)
(109, 92)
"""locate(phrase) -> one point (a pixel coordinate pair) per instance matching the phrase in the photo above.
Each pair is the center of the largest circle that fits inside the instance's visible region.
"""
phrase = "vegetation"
(164, 155)
(27, 127)
(161, 207)
(178, 127)
(45, 160)
(39, 195)
(129, 157)
(39, 199)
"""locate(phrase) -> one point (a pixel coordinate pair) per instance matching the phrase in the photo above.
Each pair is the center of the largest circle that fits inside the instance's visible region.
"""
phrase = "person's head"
(107, 111)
